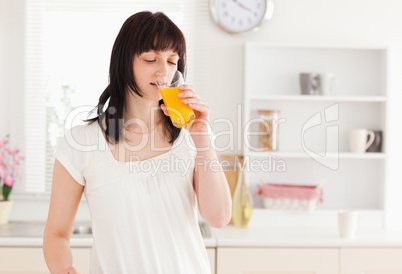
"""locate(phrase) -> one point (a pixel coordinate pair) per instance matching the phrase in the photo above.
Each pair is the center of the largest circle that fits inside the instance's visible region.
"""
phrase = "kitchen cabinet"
(211, 256)
(314, 129)
(277, 260)
(371, 260)
(343, 260)
(30, 260)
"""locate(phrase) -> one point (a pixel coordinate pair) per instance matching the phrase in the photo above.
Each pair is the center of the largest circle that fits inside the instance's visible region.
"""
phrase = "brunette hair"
(141, 32)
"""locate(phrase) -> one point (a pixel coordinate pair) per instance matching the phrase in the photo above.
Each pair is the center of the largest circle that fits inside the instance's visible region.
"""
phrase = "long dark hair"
(141, 32)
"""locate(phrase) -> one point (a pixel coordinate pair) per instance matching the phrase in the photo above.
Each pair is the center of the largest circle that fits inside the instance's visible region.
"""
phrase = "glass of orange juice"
(180, 114)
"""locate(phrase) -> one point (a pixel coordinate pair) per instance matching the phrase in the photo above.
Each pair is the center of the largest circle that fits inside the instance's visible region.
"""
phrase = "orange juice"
(180, 114)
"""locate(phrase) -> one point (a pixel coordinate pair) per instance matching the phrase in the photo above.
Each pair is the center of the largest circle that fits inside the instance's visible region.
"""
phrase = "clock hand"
(242, 6)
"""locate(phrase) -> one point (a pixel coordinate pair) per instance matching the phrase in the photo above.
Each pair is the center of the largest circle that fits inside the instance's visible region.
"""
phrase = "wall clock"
(241, 16)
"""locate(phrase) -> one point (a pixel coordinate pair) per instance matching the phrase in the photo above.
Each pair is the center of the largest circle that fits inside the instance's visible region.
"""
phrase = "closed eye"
(173, 63)
(150, 61)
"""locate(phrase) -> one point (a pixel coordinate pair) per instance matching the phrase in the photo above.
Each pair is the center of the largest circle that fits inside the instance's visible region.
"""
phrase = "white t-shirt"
(144, 213)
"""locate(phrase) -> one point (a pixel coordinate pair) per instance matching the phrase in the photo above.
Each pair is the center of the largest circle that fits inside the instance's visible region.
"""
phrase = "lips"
(156, 85)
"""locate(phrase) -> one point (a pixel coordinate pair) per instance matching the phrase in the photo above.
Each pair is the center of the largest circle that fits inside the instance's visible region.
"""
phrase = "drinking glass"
(180, 114)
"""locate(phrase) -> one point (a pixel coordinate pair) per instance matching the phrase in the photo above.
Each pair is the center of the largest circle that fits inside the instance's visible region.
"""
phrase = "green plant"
(10, 161)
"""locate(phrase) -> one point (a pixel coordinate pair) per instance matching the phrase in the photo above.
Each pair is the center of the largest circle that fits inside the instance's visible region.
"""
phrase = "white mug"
(358, 140)
(327, 82)
(348, 222)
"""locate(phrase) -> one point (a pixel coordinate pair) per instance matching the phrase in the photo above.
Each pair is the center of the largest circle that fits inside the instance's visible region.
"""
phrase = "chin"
(154, 97)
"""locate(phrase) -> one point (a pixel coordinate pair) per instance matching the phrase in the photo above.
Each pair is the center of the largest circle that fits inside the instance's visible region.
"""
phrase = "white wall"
(4, 38)
(294, 21)
(307, 21)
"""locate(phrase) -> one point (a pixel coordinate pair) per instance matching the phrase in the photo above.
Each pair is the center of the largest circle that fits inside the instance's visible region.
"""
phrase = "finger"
(194, 101)
(188, 94)
(69, 270)
(72, 270)
(186, 87)
(200, 108)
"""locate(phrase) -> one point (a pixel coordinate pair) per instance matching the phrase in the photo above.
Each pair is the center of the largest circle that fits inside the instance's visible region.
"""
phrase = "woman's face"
(148, 66)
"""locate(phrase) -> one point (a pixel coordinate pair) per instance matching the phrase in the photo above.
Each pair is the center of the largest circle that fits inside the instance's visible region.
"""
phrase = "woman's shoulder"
(82, 137)
(74, 150)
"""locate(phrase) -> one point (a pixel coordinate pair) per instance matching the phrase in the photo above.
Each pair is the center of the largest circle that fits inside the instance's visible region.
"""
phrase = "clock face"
(239, 15)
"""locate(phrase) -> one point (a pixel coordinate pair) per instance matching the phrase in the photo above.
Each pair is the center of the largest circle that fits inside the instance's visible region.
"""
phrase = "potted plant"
(9, 172)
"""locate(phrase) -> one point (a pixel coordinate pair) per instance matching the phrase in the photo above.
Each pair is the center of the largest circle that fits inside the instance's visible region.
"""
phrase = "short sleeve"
(71, 152)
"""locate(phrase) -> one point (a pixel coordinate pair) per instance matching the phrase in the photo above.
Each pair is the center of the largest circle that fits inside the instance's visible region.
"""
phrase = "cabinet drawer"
(371, 260)
(30, 260)
(278, 260)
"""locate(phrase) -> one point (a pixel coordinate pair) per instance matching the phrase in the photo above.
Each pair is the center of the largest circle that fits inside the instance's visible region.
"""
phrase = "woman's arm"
(211, 187)
(64, 202)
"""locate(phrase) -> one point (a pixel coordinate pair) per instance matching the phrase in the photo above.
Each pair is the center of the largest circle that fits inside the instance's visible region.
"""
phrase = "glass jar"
(230, 167)
(268, 127)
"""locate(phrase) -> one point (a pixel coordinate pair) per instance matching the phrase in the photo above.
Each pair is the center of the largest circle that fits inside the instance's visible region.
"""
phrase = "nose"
(162, 69)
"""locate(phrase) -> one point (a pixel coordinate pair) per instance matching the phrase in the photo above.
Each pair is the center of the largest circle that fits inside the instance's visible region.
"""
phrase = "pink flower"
(14, 164)
(9, 180)
(10, 160)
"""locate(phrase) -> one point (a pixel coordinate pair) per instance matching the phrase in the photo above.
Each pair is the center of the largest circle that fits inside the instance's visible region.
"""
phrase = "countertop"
(259, 233)
(31, 234)
(231, 236)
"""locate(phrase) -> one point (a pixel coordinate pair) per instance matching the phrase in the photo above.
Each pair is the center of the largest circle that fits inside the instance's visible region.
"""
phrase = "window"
(68, 46)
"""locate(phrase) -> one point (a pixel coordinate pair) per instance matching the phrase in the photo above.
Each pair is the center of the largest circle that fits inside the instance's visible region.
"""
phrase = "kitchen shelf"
(303, 155)
(271, 81)
(318, 98)
(319, 217)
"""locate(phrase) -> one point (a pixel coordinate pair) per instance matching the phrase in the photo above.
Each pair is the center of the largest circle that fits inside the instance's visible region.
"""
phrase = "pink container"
(290, 197)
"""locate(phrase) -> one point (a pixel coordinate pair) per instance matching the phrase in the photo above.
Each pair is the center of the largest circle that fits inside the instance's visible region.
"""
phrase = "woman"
(144, 220)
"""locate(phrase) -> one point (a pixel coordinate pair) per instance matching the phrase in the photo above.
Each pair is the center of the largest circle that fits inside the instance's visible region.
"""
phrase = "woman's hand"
(68, 270)
(199, 105)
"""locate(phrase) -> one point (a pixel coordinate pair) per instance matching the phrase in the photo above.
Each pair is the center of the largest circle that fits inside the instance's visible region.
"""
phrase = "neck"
(142, 113)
